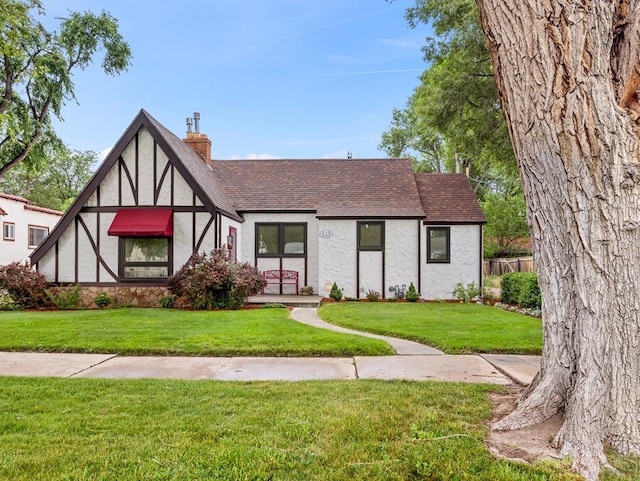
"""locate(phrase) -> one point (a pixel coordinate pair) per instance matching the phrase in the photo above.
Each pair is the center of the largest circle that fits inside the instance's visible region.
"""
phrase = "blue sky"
(270, 78)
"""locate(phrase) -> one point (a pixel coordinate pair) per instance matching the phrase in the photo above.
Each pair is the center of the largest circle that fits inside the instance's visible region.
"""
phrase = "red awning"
(142, 223)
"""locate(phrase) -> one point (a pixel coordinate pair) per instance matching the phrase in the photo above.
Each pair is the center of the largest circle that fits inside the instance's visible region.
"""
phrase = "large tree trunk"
(568, 79)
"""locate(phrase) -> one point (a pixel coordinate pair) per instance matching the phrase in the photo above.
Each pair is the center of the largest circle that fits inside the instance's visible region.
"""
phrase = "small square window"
(37, 235)
(438, 245)
(371, 236)
(8, 231)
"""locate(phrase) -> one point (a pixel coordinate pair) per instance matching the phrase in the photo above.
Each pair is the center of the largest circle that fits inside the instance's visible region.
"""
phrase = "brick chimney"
(197, 141)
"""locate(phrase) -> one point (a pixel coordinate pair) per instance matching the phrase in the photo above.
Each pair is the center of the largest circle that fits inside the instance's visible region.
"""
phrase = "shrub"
(373, 296)
(167, 301)
(64, 299)
(6, 302)
(102, 300)
(273, 305)
(26, 286)
(468, 293)
(412, 295)
(521, 288)
(336, 292)
(214, 282)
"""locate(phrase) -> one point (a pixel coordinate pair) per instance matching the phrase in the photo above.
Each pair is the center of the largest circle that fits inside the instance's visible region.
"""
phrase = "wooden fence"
(497, 267)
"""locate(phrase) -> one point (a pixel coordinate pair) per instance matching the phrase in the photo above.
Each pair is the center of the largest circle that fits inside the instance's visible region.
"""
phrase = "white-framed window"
(37, 233)
(8, 231)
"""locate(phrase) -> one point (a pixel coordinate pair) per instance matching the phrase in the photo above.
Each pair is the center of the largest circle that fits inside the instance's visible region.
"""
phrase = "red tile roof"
(42, 209)
(449, 199)
(17, 198)
(330, 187)
(27, 205)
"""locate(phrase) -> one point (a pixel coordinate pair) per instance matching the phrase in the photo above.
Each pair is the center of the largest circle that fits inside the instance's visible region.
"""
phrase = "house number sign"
(326, 233)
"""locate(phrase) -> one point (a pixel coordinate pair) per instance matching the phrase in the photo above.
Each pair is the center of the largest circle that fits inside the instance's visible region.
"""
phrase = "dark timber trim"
(96, 251)
(174, 150)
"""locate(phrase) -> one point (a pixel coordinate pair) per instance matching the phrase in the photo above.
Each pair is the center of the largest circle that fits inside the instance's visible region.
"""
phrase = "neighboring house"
(364, 224)
(24, 226)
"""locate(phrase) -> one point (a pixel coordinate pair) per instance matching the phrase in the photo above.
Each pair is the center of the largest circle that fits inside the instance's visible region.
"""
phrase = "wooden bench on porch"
(281, 277)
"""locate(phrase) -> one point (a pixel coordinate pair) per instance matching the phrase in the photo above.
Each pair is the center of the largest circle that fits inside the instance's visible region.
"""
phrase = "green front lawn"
(452, 327)
(97, 429)
(257, 332)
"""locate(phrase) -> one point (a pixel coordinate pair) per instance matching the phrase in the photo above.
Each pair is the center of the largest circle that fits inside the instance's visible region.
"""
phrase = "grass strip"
(455, 328)
(99, 429)
(132, 331)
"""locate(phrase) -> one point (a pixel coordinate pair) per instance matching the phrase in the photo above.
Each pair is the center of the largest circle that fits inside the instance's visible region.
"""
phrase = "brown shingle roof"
(449, 198)
(332, 187)
(197, 167)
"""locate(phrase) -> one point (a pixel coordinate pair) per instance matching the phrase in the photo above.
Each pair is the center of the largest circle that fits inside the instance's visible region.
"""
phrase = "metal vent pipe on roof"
(196, 121)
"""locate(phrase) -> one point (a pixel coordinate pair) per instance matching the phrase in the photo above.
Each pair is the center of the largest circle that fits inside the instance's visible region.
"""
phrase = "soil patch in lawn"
(522, 445)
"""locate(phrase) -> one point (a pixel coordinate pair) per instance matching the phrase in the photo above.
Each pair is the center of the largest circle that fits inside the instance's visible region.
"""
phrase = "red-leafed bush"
(214, 282)
(26, 287)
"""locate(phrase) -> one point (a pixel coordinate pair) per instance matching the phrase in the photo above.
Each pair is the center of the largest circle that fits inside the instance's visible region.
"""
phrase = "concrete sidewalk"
(469, 368)
(414, 361)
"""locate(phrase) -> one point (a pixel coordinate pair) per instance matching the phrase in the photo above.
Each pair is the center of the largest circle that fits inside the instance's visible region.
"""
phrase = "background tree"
(453, 119)
(36, 68)
(53, 184)
(506, 224)
(568, 76)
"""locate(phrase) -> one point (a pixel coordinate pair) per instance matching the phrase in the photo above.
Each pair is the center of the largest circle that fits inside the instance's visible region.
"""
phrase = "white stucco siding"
(108, 248)
(371, 273)
(401, 253)
(339, 257)
(182, 192)
(337, 251)
(129, 158)
(108, 189)
(209, 239)
(164, 196)
(47, 265)
(226, 224)
(438, 280)
(247, 247)
(86, 254)
(145, 166)
(182, 238)
(66, 255)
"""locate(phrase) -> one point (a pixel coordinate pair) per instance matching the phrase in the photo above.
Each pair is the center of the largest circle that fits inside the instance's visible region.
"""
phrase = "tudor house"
(364, 224)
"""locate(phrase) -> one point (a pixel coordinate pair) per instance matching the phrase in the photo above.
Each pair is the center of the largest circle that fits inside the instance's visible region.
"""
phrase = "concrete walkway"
(401, 346)
(414, 362)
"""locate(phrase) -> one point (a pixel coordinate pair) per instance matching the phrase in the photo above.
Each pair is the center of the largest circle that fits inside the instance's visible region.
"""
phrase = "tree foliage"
(453, 121)
(506, 224)
(54, 184)
(36, 67)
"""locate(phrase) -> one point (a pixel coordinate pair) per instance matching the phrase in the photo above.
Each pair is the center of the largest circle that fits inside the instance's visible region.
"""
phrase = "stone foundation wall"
(124, 296)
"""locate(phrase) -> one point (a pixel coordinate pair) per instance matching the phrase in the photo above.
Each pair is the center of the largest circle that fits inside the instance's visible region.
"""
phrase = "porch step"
(287, 300)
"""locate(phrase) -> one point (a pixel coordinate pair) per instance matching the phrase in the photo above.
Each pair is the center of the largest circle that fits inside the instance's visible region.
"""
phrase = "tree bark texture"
(568, 75)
